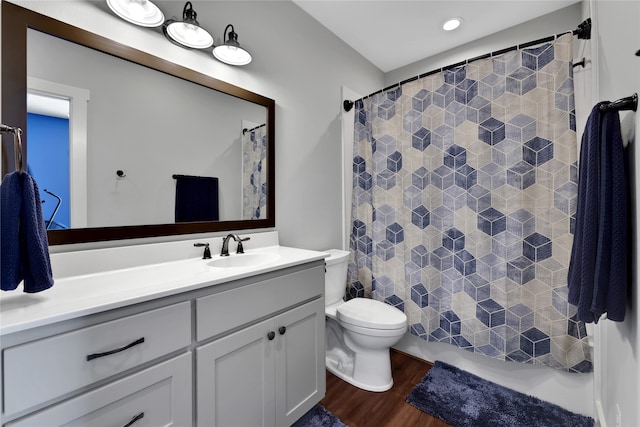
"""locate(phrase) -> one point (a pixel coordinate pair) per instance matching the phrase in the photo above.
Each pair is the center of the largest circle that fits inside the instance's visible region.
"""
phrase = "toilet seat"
(331, 310)
(373, 332)
(365, 313)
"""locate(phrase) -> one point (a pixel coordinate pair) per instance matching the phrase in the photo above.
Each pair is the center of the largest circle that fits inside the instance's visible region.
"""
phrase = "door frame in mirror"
(16, 20)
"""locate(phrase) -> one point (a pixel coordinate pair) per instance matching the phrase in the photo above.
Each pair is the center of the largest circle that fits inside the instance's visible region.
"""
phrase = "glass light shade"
(189, 35)
(139, 12)
(232, 55)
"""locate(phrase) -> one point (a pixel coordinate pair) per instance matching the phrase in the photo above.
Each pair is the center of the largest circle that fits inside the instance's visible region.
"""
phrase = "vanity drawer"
(218, 313)
(39, 371)
(157, 396)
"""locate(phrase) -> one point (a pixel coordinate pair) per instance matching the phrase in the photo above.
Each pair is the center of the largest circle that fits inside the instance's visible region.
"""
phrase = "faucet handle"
(207, 251)
(240, 249)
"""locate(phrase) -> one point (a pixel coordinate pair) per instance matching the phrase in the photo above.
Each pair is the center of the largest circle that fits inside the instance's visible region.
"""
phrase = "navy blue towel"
(598, 270)
(24, 244)
(196, 198)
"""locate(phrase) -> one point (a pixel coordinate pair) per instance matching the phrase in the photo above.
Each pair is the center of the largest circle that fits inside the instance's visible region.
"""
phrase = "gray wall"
(297, 62)
(563, 20)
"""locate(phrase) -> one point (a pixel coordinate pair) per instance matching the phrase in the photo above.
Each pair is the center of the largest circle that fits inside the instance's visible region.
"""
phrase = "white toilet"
(359, 331)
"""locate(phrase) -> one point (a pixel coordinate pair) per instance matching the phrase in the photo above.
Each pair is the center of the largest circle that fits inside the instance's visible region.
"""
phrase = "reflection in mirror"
(57, 140)
(148, 124)
(48, 126)
(130, 130)
(254, 170)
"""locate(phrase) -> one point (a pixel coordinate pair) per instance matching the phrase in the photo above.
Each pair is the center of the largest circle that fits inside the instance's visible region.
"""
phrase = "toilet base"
(366, 368)
(331, 367)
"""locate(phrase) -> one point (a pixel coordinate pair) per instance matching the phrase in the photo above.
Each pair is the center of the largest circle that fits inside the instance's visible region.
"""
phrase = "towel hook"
(17, 144)
(630, 103)
(17, 139)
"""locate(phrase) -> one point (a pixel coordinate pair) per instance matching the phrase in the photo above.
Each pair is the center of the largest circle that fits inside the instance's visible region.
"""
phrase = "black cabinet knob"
(282, 330)
(271, 335)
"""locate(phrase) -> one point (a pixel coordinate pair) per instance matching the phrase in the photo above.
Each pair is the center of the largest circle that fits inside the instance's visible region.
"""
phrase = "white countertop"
(75, 296)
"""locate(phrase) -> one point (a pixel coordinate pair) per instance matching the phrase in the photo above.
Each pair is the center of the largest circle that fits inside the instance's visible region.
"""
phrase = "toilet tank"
(335, 279)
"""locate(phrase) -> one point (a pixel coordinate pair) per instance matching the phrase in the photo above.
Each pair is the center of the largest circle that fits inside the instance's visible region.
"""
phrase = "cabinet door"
(235, 377)
(300, 372)
(156, 396)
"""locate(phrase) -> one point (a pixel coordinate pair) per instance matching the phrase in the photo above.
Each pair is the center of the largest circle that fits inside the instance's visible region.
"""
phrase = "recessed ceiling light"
(452, 24)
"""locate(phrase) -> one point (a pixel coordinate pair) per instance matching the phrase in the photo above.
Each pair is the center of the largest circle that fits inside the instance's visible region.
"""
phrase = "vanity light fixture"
(139, 12)
(230, 51)
(187, 33)
(452, 24)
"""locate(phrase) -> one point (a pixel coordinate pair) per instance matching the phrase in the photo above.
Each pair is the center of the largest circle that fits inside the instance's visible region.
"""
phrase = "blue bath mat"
(463, 399)
(318, 417)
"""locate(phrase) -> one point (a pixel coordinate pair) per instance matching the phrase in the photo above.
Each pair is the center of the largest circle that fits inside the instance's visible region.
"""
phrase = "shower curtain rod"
(583, 32)
(249, 130)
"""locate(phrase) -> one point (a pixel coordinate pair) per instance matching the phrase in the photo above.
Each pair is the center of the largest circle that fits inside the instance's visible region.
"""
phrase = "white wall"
(571, 391)
(297, 62)
(618, 37)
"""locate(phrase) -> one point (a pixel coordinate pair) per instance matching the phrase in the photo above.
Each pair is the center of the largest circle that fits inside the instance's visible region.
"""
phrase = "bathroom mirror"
(148, 147)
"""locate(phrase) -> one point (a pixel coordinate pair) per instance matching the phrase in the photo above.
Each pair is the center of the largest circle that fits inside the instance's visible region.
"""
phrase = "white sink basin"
(244, 260)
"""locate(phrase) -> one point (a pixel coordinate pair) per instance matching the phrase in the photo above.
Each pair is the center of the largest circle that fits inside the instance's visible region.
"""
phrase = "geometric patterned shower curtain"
(464, 203)
(254, 173)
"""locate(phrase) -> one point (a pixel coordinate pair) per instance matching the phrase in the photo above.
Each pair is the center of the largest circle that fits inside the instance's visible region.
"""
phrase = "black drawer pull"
(117, 350)
(134, 419)
(271, 335)
(282, 330)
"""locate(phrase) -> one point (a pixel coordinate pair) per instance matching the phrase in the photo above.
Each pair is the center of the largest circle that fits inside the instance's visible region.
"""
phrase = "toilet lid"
(369, 313)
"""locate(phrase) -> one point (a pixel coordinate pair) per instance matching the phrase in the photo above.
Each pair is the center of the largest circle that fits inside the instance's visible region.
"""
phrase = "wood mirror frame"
(15, 22)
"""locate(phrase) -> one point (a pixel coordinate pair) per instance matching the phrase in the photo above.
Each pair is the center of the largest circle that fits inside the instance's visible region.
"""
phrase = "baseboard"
(600, 419)
(413, 356)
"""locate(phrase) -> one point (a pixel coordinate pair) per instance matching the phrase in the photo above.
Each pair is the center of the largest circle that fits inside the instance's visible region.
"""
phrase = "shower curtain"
(254, 173)
(464, 202)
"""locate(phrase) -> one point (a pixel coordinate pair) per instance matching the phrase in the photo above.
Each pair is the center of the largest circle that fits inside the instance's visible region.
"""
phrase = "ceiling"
(375, 28)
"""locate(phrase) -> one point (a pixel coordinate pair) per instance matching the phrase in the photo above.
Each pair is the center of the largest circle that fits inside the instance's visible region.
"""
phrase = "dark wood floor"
(360, 408)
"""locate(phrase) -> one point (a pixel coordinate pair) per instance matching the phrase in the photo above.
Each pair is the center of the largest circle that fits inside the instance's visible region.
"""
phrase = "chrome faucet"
(225, 244)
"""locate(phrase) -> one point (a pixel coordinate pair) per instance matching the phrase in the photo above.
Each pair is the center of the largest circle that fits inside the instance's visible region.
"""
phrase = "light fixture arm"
(233, 36)
(188, 14)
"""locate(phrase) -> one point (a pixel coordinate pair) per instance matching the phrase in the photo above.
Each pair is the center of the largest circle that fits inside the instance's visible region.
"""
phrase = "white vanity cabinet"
(268, 374)
(271, 370)
(70, 371)
(41, 370)
(157, 396)
(248, 351)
